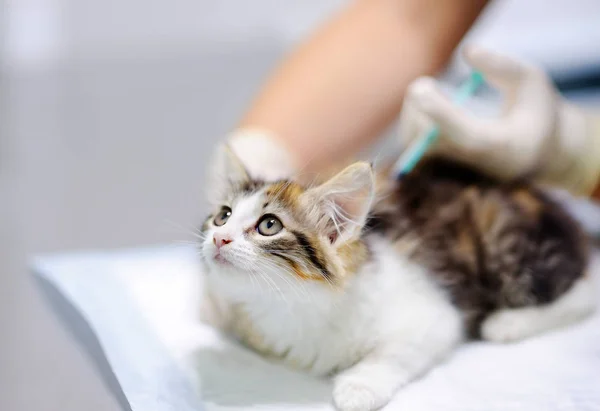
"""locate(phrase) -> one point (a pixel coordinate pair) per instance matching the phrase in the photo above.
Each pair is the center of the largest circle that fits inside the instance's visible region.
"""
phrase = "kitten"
(378, 280)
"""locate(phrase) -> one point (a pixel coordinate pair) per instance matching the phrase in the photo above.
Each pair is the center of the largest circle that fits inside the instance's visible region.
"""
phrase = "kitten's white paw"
(355, 394)
(508, 326)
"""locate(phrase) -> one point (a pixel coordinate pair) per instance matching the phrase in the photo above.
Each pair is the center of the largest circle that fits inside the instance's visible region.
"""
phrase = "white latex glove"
(263, 155)
(538, 132)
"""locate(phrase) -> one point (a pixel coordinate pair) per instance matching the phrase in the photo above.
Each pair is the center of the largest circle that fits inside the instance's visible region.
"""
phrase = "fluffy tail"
(516, 324)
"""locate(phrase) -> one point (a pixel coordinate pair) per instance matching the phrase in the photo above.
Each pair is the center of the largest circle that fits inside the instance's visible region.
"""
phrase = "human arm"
(596, 194)
(341, 88)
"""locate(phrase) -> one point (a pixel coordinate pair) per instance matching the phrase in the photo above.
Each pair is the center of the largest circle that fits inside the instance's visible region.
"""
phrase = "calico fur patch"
(490, 245)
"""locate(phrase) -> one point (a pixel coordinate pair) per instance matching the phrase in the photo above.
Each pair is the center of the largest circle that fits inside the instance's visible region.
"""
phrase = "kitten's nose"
(220, 240)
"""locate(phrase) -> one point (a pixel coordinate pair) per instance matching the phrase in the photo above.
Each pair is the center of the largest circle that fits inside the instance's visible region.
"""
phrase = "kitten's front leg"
(368, 385)
(372, 382)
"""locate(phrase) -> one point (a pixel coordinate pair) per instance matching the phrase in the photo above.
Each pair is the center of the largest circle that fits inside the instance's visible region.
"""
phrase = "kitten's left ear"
(226, 170)
(340, 206)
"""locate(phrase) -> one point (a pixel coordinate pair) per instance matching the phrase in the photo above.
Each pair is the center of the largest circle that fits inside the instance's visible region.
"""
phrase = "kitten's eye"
(269, 225)
(222, 217)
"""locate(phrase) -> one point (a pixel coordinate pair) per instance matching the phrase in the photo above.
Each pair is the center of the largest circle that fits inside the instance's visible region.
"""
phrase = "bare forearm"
(339, 90)
(596, 193)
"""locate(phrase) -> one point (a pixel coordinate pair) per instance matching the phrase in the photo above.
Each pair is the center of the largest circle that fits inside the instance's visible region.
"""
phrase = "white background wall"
(114, 105)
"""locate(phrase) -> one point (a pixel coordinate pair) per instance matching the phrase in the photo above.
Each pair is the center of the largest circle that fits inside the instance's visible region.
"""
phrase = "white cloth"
(142, 307)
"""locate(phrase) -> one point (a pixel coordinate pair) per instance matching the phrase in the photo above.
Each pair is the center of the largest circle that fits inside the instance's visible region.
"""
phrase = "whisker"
(282, 272)
(274, 252)
(195, 232)
(275, 287)
(297, 287)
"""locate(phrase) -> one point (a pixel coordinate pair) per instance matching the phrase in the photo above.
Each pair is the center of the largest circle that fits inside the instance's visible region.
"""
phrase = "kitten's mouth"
(218, 257)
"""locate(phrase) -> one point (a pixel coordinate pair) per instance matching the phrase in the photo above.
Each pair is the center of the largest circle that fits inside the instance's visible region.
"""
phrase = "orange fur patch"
(486, 211)
(527, 201)
(286, 193)
(465, 247)
(304, 276)
(353, 255)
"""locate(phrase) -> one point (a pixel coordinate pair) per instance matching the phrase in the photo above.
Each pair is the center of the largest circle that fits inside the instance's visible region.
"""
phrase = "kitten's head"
(283, 230)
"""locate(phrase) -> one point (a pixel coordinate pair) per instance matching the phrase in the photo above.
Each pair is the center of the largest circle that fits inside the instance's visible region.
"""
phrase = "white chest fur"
(322, 329)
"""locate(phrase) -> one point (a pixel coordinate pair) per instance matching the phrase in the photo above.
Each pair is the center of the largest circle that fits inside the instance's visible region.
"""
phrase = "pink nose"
(220, 240)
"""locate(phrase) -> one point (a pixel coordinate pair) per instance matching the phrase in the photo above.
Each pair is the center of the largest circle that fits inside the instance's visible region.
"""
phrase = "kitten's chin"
(224, 263)
(216, 258)
(219, 259)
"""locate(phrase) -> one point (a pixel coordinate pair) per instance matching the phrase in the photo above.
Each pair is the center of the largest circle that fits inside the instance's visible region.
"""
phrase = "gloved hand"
(538, 132)
(263, 155)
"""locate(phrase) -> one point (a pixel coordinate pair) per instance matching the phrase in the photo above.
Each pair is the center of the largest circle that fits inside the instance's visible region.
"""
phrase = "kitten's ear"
(340, 206)
(226, 171)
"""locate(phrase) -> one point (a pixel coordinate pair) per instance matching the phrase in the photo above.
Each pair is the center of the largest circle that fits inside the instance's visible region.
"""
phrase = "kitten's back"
(493, 246)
